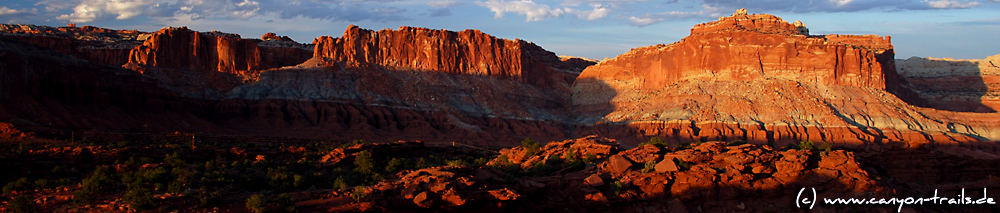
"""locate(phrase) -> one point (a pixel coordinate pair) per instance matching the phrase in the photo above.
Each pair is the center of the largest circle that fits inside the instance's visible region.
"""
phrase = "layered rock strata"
(468, 52)
(957, 85)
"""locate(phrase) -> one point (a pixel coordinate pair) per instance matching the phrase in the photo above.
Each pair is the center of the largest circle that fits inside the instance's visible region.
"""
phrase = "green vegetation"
(256, 203)
(656, 141)
(531, 146)
(22, 204)
(208, 173)
(649, 166)
(358, 193)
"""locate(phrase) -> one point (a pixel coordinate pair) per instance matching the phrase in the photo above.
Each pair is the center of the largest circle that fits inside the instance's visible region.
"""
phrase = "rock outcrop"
(957, 85)
(90, 43)
(469, 52)
(757, 78)
(181, 48)
(753, 48)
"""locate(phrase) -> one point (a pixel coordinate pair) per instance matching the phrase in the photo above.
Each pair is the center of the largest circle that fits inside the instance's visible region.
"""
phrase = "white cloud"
(443, 4)
(341, 10)
(950, 4)
(707, 11)
(599, 11)
(532, 10)
(537, 12)
(7, 11)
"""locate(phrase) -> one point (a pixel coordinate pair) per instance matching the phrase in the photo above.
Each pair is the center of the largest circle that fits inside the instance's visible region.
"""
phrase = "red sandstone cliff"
(757, 78)
(181, 48)
(95, 44)
(756, 47)
(958, 85)
(467, 52)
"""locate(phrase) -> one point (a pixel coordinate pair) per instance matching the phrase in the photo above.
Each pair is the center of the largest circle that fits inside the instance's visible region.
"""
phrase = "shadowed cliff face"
(955, 85)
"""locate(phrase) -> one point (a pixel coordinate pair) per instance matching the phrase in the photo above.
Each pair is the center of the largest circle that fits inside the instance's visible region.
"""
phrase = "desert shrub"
(590, 157)
(176, 187)
(205, 199)
(655, 141)
(137, 197)
(364, 162)
(531, 146)
(649, 166)
(616, 188)
(299, 181)
(256, 203)
(398, 164)
(21, 184)
(279, 178)
(98, 183)
(340, 183)
(682, 165)
(22, 204)
(457, 162)
(480, 161)
(285, 202)
(736, 142)
(358, 193)
(806, 145)
(684, 145)
(826, 147)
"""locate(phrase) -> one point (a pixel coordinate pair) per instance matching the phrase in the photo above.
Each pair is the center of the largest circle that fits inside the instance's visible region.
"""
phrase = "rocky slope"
(707, 177)
(957, 85)
(756, 78)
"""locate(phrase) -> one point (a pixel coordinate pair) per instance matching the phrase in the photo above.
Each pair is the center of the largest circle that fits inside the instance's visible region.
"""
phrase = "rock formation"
(95, 44)
(756, 78)
(957, 85)
(468, 52)
(181, 48)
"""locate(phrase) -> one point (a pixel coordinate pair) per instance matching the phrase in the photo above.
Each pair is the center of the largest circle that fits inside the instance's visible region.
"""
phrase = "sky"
(598, 29)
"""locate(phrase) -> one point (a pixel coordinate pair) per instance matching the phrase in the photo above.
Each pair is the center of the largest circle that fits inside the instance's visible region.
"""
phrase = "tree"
(364, 162)
(531, 146)
(256, 203)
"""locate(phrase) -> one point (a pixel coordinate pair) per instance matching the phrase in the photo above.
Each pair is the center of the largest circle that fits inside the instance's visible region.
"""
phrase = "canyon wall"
(90, 43)
(757, 78)
(957, 85)
(756, 47)
(181, 48)
(466, 52)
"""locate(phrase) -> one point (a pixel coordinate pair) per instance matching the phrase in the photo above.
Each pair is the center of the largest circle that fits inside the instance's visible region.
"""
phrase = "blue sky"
(589, 28)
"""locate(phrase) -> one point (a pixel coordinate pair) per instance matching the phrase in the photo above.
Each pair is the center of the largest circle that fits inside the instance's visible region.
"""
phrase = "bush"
(736, 142)
(806, 145)
(96, 184)
(286, 202)
(531, 146)
(826, 147)
(256, 203)
(616, 188)
(21, 184)
(457, 162)
(205, 199)
(650, 166)
(137, 197)
(358, 193)
(655, 141)
(364, 162)
(22, 204)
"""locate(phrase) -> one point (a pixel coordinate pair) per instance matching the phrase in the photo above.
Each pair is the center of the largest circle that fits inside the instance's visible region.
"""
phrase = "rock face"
(957, 85)
(753, 48)
(757, 78)
(181, 48)
(468, 52)
(95, 44)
